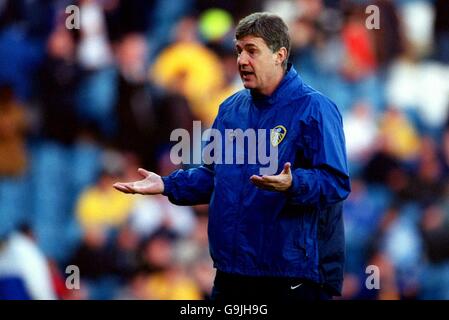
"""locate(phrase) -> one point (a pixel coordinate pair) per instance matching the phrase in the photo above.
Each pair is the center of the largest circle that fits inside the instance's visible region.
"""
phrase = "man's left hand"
(281, 182)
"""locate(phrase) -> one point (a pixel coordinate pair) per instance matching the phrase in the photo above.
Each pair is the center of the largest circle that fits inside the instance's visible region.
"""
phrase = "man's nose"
(242, 59)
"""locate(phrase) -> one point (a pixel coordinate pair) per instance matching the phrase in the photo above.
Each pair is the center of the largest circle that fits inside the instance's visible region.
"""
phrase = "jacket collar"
(281, 92)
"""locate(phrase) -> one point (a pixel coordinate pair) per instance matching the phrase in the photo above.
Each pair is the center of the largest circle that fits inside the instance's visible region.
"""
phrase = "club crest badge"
(277, 135)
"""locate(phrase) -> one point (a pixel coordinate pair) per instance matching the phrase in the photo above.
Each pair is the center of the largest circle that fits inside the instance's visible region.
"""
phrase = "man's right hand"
(151, 184)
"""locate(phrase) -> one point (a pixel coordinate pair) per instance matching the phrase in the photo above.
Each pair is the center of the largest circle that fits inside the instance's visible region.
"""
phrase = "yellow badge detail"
(277, 135)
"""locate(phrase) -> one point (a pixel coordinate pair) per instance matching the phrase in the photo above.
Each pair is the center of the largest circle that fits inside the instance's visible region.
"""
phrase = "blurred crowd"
(83, 108)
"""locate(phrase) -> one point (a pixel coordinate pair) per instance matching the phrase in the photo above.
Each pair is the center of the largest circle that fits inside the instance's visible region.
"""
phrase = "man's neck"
(268, 91)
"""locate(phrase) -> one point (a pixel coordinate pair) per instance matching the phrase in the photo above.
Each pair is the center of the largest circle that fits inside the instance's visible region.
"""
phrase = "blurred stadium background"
(81, 109)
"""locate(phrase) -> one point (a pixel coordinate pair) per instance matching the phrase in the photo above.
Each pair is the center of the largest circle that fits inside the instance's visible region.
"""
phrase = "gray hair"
(270, 27)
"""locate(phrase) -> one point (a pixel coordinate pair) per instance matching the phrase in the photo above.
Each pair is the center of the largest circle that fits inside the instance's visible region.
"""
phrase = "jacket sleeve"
(190, 187)
(322, 178)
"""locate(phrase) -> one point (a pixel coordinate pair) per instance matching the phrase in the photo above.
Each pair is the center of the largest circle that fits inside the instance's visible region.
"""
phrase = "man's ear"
(281, 55)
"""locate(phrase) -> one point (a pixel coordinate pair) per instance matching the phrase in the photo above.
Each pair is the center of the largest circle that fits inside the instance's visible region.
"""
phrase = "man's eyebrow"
(250, 45)
(247, 45)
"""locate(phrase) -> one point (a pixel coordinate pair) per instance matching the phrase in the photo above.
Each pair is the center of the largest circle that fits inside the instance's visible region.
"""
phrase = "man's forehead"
(250, 41)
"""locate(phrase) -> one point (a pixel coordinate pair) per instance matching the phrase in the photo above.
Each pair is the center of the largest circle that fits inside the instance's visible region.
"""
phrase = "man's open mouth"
(246, 74)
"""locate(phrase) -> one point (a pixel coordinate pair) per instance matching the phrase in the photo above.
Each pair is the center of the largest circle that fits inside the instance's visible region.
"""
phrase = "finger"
(143, 172)
(263, 184)
(255, 178)
(122, 188)
(129, 186)
(133, 190)
(118, 185)
(124, 184)
(287, 168)
(261, 180)
(271, 179)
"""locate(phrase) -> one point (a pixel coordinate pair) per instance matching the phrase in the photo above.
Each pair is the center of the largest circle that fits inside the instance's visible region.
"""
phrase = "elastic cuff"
(298, 186)
(168, 185)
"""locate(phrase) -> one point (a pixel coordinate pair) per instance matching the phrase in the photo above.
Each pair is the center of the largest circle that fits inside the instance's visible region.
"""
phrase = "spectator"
(166, 280)
(184, 67)
(13, 126)
(57, 83)
(22, 260)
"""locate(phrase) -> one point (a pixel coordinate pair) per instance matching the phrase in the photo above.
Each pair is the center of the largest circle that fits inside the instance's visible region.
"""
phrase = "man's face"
(258, 65)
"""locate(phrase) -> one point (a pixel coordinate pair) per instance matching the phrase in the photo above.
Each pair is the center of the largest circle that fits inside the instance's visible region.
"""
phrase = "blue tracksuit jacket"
(255, 232)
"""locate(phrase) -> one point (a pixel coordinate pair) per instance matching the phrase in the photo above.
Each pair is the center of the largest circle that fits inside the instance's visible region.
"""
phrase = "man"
(279, 236)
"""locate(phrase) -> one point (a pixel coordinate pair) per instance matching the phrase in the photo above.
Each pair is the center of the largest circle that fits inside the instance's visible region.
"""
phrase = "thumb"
(287, 166)
(143, 172)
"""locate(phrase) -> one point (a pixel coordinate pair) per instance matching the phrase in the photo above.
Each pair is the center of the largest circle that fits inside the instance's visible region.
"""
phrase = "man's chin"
(248, 85)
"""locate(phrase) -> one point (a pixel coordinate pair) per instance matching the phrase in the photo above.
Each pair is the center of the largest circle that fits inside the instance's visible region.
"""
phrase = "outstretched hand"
(150, 184)
(281, 182)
